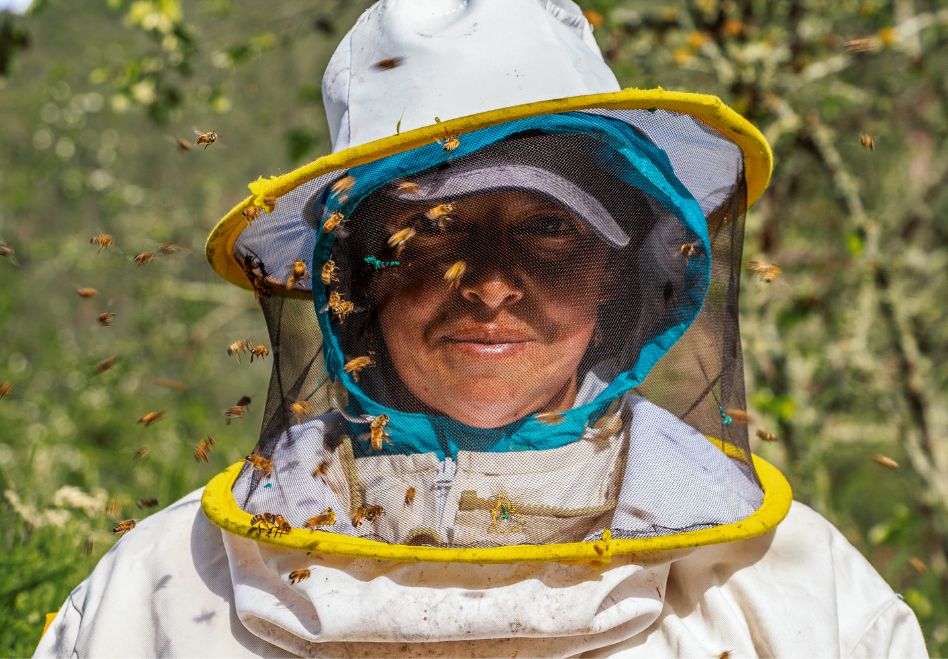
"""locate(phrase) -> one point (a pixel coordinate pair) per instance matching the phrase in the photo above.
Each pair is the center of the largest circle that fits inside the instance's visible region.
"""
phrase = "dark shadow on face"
(492, 305)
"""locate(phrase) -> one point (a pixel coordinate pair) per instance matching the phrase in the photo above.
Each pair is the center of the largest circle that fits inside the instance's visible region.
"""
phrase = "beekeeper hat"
(450, 97)
(411, 72)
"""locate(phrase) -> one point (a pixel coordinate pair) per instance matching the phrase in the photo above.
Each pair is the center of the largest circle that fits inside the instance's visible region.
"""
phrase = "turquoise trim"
(637, 161)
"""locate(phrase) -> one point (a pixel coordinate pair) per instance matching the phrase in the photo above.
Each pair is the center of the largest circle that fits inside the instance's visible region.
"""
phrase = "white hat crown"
(453, 58)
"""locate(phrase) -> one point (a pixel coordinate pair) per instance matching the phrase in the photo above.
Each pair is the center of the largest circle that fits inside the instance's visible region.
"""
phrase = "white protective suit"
(177, 585)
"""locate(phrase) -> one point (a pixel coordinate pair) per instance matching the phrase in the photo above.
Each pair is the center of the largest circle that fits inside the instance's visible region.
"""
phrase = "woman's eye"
(549, 226)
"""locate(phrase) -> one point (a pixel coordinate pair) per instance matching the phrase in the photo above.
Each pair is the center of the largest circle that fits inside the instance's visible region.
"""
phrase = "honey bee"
(595, 18)
(454, 273)
(333, 221)
(377, 433)
(6, 250)
(409, 496)
(144, 258)
(300, 409)
(917, 564)
(273, 524)
(399, 238)
(297, 576)
(257, 275)
(550, 418)
(207, 139)
(250, 213)
(321, 470)
(860, 46)
(328, 275)
(183, 144)
(766, 272)
(124, 527)
(237, 347)
(367, 513)
(342, 185)
(606, 427)
(239, 410)
(885, 461)
(260, 463)
(325, 518)
(341, 308)
(388, 63)
(151, 417)
(203, 448)
(142, 453)
(766, 436)
(689, 249)
(408, 187)
(113, 508)
(166, 249)
(105, 319)
(450, 142)
(742, 417)
(280, 525)
(297, 273)
(439, 211)
(867, 142)
(259, 352)
(105, 365)
(87, 292)
(724, 654)
(5, 388)
(102, 241)
(146, 503)
(357, 364)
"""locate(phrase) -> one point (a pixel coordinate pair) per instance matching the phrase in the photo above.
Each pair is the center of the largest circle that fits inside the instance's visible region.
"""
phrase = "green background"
(845, 353)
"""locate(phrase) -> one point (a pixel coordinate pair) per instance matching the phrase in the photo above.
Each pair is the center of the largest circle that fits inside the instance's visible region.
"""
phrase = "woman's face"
(507, 340)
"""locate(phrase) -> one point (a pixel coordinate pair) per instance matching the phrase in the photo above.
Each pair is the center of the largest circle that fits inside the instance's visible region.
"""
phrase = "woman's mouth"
(487, 341)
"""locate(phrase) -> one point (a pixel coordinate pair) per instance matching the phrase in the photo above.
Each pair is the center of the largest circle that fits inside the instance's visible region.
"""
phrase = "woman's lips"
(487, 342)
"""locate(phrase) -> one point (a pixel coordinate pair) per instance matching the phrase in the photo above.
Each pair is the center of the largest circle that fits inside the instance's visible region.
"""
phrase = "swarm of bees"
(297, 576)
(260, 463)
(367, 513)
(124, 527)
(105, 318)
(151, 417)
(203, 448)
(454, 273)
(273, 525)
(325, 518)
(766, 272)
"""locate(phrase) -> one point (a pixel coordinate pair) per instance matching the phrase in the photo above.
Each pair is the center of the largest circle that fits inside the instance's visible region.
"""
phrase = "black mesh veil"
(529, 344)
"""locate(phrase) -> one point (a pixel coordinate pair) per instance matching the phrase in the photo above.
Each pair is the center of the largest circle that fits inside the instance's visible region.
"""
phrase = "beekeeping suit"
(502, 414)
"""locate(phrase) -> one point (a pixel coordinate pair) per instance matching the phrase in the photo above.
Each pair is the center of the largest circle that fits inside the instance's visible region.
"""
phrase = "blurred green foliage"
(845, 353)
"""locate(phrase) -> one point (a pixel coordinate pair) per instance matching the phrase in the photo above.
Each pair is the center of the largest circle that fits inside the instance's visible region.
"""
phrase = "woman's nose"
(493, 292)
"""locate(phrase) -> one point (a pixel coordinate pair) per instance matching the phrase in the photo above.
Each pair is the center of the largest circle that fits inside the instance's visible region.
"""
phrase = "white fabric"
(178, 586)
(529, 50)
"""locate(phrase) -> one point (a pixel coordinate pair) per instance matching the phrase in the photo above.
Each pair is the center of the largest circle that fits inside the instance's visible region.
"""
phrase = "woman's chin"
(492, 412)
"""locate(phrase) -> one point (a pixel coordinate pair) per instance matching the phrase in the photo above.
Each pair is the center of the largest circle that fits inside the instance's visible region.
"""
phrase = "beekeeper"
(506, 376)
